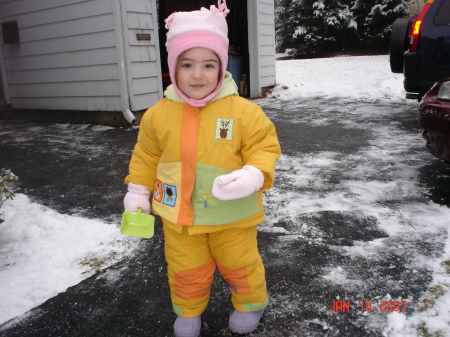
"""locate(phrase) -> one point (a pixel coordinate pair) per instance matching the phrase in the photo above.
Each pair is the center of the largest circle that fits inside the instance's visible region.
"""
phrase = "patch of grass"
(447, 266)
(423, 332)
(433, 294)
(95, 264)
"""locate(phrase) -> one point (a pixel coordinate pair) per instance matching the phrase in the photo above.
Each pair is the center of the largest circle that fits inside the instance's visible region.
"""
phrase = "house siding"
(68, 56)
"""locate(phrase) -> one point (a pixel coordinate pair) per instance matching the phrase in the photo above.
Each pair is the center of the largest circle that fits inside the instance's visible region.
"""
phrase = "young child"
(206, 154)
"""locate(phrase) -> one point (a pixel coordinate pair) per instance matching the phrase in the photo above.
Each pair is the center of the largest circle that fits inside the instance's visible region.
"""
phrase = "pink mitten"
(137, 196)
(238, 184)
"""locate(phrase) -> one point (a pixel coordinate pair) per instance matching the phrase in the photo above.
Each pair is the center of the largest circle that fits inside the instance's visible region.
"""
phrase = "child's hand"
(238, 184)
(137, 196)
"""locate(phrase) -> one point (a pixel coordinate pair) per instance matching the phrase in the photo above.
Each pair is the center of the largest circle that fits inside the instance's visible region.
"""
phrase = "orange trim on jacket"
(189, 140)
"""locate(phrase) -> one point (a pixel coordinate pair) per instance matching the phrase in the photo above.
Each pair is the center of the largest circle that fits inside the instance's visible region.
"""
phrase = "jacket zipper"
(205, 199)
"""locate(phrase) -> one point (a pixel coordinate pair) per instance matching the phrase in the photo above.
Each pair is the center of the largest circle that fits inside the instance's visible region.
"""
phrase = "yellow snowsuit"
(180, 150)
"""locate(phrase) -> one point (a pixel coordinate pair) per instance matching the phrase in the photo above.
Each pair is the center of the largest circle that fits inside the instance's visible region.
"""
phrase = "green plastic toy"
(138, 224)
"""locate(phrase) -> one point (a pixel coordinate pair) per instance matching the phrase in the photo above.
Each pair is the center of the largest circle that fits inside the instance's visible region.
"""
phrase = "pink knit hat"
(204, 28)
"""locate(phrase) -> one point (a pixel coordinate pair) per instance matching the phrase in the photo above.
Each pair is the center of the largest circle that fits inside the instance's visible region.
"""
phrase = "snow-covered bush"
(318, 26)
(6, 179)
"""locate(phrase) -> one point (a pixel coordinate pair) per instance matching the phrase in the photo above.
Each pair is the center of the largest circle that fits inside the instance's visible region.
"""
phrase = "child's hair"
(204, 28)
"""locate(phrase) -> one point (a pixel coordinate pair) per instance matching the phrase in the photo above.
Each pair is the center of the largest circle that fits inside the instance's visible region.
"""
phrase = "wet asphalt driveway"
(350, 172)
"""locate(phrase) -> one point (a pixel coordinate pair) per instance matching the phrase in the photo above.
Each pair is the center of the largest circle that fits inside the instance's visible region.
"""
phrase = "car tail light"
(444, 91)
(415, 29)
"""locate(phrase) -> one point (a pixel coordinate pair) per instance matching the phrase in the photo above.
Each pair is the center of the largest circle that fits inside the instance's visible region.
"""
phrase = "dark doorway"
(237, 34)
(1, 89)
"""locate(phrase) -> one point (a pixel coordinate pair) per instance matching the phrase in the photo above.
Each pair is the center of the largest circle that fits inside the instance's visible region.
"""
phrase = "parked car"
(434, 119)
(420, 48)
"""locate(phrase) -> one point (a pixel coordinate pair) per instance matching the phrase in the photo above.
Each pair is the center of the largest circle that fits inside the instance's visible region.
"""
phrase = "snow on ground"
(43, 252)
(362, 77)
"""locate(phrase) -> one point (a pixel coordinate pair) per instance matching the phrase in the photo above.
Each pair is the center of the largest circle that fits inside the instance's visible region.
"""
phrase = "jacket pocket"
(210, 211)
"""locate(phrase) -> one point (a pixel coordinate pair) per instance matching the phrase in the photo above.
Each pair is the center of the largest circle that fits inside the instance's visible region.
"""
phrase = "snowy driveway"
(360, 213)
(357, 214)
(358, 220)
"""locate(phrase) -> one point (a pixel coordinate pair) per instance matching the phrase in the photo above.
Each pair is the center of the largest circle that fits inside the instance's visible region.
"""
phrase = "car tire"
(399, 43)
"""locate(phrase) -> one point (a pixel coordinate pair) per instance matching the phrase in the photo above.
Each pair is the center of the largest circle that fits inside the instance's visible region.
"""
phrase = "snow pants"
(193, 259)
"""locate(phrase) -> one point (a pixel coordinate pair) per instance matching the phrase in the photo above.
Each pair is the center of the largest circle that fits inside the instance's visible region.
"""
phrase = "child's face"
(198, 72)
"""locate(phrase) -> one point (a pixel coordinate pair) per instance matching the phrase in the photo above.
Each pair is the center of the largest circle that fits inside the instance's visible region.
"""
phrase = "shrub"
(6, 178)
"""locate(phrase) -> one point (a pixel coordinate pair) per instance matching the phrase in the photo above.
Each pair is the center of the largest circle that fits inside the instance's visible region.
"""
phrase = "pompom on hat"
(203, 28)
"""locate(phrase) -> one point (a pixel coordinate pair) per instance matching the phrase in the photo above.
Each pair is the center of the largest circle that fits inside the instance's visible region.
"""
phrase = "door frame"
(3, 78)
(253, 48)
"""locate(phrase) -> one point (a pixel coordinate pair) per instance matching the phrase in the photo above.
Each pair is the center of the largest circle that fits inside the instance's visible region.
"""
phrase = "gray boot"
(187, 327)
(245, 322)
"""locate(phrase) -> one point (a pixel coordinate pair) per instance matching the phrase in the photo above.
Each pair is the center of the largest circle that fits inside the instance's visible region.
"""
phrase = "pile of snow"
(42, 253)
